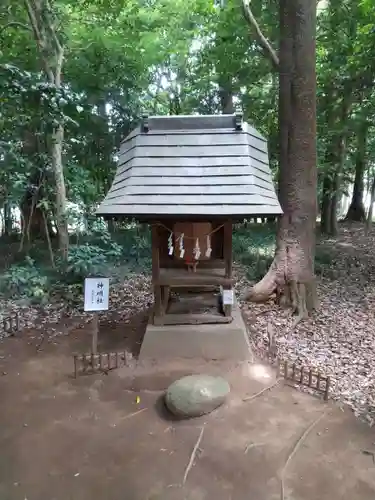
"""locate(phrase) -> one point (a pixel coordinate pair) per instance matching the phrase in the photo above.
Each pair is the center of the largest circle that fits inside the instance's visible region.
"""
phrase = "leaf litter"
(127, 297)
(339, 339)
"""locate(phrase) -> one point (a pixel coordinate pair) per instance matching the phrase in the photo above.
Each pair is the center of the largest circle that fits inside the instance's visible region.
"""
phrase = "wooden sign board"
(96, 297)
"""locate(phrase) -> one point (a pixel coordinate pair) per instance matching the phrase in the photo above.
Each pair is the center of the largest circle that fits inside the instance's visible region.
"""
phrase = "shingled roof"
(215, 166)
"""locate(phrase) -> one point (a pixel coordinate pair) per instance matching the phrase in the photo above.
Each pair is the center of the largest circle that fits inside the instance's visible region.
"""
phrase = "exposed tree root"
(299, 294)
(264, 289)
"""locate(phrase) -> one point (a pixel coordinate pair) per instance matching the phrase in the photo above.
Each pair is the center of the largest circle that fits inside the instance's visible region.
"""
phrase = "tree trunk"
(335, 159)
(226, 95)
(8, 221)
(372, 201)
(32, 224)
(58, 170)
(326, 201)
(291, 274)
(336, 184)
(225, 79)
(325, 213)
(356, 211)
(51, 52)
(32, 217)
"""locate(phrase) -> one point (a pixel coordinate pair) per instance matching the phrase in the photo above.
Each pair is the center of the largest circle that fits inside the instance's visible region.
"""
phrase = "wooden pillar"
(228, 259)
(158, 309)
(228, 256)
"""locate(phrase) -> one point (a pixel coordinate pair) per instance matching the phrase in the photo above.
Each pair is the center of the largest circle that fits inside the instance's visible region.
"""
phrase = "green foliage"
(99, 255)
(253, 247)
(165, 56)
(136, 244)
(25, 280)
(89, 259)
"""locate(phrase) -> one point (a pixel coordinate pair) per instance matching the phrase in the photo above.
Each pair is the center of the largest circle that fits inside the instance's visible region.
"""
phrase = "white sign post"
(228, 297)
(96, 299)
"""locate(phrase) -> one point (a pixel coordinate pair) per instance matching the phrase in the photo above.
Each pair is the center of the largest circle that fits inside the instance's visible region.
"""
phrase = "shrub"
(25, 280)
(89, 259)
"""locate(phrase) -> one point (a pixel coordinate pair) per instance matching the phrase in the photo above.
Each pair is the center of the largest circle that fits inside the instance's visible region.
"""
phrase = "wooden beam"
(181, 264)
(191, 319)
(185, 279)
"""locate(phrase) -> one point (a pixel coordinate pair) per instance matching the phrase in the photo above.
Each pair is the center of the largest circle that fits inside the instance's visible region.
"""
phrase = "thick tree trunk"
(356, 211)
(291, 274)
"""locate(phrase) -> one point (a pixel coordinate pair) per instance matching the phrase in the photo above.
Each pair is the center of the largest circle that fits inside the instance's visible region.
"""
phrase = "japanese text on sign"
(96, 294)
(228, 297)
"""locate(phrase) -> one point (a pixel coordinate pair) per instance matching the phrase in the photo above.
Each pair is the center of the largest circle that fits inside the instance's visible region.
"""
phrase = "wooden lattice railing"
(305, 377)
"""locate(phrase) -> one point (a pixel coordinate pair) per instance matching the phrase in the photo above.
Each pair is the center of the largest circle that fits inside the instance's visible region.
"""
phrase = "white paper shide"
(96, 294)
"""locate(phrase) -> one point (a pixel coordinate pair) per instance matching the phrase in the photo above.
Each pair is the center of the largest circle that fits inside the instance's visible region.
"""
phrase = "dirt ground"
(88, 438)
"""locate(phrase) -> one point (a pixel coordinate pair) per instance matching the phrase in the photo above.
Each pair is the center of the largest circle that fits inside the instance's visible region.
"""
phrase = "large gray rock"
(195, 395)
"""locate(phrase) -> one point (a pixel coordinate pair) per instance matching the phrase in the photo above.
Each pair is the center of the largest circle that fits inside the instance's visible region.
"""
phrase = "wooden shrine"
(194, 256)
(190, 178)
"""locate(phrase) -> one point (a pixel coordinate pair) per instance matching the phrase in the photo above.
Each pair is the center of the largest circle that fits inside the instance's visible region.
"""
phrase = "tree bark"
(291, 274)
(52, 56)
(225, 80)
(370, 210)
(32, 216)
(336, 184)
(32, 224)
(335, 160)
(325, 217)
(356, 211)
(326, 201)
(8, 222)
(332, 185)
(58, 170)
(226, 95)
